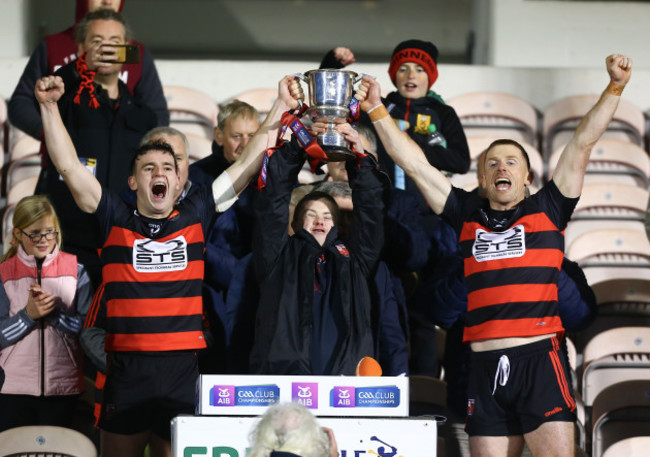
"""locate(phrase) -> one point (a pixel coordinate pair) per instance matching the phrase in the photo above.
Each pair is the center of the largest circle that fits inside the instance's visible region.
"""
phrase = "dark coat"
(286, 271)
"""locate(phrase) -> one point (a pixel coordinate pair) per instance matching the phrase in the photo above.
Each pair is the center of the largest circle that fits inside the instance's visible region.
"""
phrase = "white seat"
(261, 99)
(20, 189)
(613, 161)
(45, 441)
(619, 412)
(191, 110)
(613, 356)
(200, 147)
(497, 114)
(611, 205)
(636, 446)
(562, 117)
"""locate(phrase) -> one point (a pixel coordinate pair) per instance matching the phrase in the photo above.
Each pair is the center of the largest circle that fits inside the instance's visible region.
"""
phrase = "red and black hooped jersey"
(153, 271)
(511, 273)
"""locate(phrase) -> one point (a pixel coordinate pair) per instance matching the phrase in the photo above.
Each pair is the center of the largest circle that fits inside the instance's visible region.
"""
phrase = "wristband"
(378, 113)
(615, 89)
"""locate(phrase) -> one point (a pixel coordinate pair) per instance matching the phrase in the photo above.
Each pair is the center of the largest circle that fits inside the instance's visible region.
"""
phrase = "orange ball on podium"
(368, 366)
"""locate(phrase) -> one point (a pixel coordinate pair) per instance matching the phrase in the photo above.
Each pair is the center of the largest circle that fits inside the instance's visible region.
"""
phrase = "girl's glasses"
(37, 237)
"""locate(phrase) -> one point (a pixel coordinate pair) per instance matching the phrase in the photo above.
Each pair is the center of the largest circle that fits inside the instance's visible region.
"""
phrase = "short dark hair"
(506, 142)
(104, 14)
(299, 212)
(153, 146)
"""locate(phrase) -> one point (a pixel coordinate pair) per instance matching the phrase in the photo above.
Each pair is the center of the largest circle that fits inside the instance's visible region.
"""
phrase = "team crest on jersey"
(342, 250)
(151, 256)
(499, 245)
(422, 124)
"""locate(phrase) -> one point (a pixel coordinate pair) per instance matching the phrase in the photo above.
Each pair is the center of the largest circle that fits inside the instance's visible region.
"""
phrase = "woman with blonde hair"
(290, 430)
(44, 294)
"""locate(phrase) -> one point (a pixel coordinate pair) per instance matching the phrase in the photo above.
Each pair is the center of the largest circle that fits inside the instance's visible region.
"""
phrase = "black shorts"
(535, 391)
(145, 391)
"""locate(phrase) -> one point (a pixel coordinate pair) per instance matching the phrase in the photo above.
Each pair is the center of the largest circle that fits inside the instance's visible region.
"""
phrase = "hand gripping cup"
(330, 93)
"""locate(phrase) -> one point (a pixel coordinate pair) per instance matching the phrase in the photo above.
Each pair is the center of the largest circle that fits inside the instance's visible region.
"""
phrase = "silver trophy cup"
(330, 92)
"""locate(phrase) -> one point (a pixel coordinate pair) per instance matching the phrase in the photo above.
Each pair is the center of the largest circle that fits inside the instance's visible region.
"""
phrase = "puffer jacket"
(42, 357)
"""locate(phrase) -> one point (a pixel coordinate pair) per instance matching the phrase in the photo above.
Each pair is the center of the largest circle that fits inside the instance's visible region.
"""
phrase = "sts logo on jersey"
(499, 245)
(154, 257)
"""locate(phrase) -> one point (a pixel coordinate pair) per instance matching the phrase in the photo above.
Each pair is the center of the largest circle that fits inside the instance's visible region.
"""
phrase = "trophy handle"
(362, 75)
(304, 79)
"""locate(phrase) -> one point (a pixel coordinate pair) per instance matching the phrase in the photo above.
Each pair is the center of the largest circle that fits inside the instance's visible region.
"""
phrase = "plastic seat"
(636, 446)
(200, 147)
(613, 161)
(43, 440)
(562, 117)
(612, 253)
(619, 412)
(261, 99)
(620, 206)
(613, 356)
(7, 225)
(497, 114)
(427, 396)
(20, 189)
(191, 110)
(25, 167)
(25, 146)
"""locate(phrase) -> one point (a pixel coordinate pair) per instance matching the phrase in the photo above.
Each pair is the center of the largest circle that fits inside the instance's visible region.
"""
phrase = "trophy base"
(338, 153)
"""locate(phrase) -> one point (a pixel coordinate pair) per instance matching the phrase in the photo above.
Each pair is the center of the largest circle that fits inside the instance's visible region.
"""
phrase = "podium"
(369, 415)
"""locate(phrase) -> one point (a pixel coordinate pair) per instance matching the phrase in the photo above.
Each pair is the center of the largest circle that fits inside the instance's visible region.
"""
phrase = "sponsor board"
(363, 396)
(356, 437)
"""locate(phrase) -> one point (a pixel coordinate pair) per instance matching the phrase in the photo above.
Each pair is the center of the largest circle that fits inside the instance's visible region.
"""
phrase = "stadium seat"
(613, 356)
(497, 114)
(613, 161)
(427, 396)
(261, 99)
(619, 412)
(191, 110)
(21, 189)
(25, 167)
(612, 253)
(200, 147)
(25, 146)
(562, 117)
(44, 440)
(637, 446)
(607, 206)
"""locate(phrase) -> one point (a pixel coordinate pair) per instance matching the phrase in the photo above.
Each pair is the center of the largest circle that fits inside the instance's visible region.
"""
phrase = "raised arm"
(403, 150)
(85, 189)
(570, 170)
(250, 161)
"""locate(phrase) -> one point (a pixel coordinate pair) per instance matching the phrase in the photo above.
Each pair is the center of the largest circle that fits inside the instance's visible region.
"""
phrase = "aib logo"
(305, 393)
(222, 396)
(342, 397)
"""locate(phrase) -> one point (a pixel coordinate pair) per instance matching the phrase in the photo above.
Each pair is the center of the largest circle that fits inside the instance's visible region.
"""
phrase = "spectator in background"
(58, 50)
(230, 237)
(44, 294)
(105, 124)
(290, 430)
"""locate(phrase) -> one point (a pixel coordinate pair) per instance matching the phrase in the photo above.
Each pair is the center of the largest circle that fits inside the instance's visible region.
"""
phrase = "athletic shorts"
(514, 391)
(145, 391)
